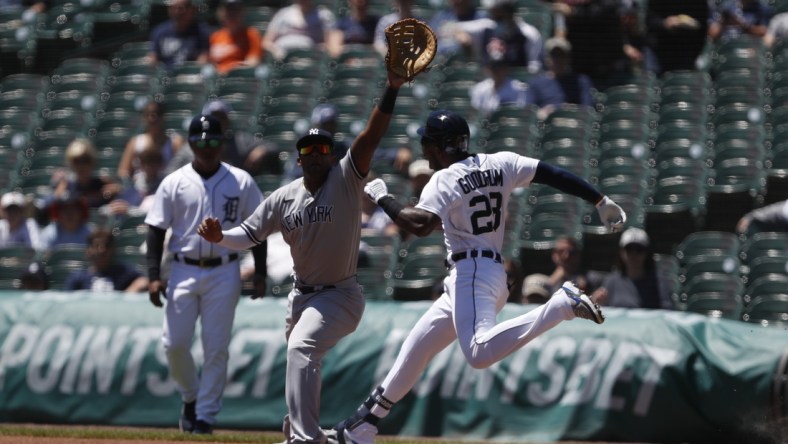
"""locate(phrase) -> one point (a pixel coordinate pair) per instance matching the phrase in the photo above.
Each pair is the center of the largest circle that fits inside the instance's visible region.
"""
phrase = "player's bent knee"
(479, 362)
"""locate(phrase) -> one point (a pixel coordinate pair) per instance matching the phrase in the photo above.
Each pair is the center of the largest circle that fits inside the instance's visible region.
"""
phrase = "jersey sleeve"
(265, 218)
(522, 170)
(436, 197)
(160, 213)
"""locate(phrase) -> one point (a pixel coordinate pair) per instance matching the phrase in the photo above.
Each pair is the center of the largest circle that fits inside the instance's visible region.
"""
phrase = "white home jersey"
(184, 199)
(323, 239)
(480, 186)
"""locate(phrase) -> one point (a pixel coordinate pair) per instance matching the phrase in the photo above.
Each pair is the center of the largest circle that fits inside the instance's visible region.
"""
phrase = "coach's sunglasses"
(212, 143)
(322, 149)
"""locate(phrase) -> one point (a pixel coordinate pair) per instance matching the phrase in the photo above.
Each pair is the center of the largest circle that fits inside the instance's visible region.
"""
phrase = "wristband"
(386, 104)
(390, 206)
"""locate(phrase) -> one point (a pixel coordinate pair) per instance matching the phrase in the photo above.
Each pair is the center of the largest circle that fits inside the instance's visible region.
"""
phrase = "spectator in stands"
(81, 178)
(27, 8)
(154, 136)
(242, 148)
(514, 279)
(567, 258)
(676, 31)
(105, 273)
(559, 84)
(536, 289)
(772, 217)
(447, 24)
(634, 282)
(69, 222)
(358, 26)
(739, 17)
(401, 9)
(636, 47)
(302, 25)
(35, 278)
(16, 225)
(234, 44)
(137, 196)
(507, 37)
(183, 38)
(419, 172)
(777, 29)
(597, 39)
(497, 89)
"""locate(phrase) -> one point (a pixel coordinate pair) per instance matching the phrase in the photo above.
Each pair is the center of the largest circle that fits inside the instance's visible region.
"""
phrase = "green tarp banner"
(83, 358)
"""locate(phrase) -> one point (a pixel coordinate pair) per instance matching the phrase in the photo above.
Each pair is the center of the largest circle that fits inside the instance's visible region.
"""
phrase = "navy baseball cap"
(316, 136)
(205, 127)
(448, 129)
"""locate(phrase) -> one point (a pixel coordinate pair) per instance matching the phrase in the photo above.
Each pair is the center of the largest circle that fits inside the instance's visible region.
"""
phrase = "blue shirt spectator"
(358, 27)
(559, 84)
(736, 18)
(104, 273)
(180, 39)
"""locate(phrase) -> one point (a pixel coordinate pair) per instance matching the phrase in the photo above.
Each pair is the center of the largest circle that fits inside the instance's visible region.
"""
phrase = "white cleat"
(583, 307)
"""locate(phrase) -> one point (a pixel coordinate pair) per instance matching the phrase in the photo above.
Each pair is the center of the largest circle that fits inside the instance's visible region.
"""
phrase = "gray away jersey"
(323, 230)
(471, 198)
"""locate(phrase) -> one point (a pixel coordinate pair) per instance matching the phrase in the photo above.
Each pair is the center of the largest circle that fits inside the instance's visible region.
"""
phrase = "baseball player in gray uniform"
(205, 278)
(468, 194)
(319, 216)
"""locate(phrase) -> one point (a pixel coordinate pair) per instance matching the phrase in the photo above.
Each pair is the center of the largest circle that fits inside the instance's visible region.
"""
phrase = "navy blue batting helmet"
(447, 129)
(205, 127)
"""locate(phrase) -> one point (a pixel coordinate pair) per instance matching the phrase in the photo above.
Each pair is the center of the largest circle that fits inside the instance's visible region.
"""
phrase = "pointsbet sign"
(98, 359)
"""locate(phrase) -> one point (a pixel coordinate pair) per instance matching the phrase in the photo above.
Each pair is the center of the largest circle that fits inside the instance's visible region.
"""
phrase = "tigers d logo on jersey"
(230, 208)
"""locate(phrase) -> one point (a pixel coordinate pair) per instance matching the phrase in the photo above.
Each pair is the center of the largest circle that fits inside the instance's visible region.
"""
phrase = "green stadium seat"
(769, 310)
(763, 244)
(707, 243)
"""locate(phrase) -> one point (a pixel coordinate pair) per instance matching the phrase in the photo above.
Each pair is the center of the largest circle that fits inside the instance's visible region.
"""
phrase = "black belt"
(206, 262)
(304, 289)
(456, 257)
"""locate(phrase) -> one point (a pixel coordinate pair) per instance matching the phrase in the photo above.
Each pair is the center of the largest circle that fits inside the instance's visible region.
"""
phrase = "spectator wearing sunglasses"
(567, 258)
(634, 282)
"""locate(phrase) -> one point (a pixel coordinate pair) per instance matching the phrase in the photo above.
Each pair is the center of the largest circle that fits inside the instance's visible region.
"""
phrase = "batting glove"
(376, 189)
(611, 215)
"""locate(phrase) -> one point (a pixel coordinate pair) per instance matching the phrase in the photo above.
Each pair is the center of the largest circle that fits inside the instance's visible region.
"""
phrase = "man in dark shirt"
(105, 274)
(180, 39)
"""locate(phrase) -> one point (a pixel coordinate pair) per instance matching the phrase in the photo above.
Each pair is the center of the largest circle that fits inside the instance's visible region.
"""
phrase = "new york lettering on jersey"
(318, 214)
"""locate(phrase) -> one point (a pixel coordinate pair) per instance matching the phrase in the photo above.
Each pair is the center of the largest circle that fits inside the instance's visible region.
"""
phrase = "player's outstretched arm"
(411, 219)
(411, 46)
(609, 212)
(364, 145)
(236, 238)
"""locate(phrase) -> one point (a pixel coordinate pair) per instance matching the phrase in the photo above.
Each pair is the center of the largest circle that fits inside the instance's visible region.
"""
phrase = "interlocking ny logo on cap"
(314, 131)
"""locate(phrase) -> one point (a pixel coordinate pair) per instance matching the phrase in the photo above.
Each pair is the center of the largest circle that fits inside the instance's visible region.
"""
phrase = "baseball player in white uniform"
(205, 278)
(318, 213)
(468, 194)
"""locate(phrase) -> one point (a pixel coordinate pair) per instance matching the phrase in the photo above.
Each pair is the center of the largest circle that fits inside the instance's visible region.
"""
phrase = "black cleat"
(188, 417)
(202, 428)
